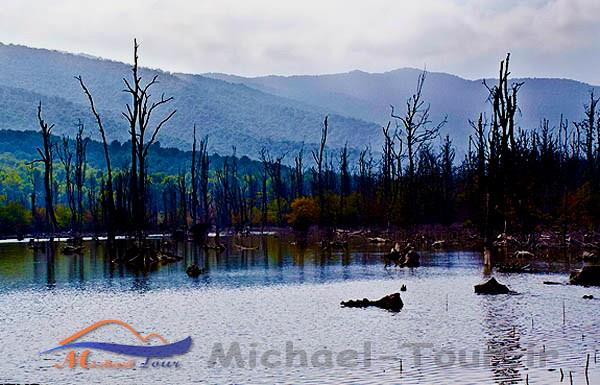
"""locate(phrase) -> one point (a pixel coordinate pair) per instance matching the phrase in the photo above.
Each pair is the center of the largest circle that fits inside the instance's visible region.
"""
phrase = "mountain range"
(281, 113)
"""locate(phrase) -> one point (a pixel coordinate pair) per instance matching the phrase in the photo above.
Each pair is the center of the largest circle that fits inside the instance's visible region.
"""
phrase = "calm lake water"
(278, 303)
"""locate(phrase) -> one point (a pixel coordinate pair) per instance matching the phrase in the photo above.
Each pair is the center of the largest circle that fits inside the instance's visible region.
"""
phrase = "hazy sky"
(559, 38)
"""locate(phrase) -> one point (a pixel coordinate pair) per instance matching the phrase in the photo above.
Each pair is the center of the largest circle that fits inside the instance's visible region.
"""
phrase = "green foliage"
(304, 213)
(13, 216)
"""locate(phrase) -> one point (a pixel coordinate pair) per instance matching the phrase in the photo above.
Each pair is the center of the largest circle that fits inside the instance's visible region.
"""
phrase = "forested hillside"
(231, 114)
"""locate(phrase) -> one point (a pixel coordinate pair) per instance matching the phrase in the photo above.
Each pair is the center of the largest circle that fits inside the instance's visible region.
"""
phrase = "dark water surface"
(279, 303)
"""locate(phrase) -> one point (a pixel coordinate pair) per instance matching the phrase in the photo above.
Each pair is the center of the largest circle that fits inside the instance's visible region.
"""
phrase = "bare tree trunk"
(46, 157)
(194, 183)
(66, 157)
(319, 157)
(110, 209)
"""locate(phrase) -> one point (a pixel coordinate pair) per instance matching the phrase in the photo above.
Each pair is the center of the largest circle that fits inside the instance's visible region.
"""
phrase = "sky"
(546, 38)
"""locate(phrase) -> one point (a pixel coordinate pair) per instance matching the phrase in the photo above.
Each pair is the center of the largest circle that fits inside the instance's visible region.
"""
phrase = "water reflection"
(504, 351)
(267, 260)
(274, 291)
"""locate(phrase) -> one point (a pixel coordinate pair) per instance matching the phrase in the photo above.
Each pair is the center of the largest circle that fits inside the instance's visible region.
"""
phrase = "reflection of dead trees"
(73, 249)
(145, 255)
(194, 271)
(334, 245)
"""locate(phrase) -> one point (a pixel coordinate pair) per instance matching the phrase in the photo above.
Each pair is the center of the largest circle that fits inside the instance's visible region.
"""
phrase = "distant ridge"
(232, 115)
(367, 96)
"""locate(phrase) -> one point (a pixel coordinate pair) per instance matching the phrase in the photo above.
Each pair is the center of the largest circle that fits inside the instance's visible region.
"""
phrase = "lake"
(273, 315)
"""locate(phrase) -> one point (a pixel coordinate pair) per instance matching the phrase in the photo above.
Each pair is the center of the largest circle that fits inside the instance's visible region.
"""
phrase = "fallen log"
(391, 302)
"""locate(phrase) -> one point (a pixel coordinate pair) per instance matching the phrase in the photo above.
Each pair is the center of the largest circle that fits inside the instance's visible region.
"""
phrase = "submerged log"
(587, 276)
(491, 287)
(391, 302)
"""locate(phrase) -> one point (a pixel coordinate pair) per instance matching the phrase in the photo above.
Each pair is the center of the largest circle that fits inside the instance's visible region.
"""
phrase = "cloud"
(254, 37)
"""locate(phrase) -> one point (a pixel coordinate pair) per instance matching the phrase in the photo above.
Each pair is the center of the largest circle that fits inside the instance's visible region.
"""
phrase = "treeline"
(510, 180)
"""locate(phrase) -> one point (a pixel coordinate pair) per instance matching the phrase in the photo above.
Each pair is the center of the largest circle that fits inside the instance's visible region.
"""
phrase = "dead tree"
(46, 157)
(109, 198)
(415, 128)
(589, 129)
(365, 181)
(273, 168)
(319, 157)
(139, 114)
(204, 169)
(33, 197)
(298, 174)
(183, 198)
(194, 184)
(504, 104)
(80, 169)
(345, 182)
(264, 192)
(66, 158)
(390, 166)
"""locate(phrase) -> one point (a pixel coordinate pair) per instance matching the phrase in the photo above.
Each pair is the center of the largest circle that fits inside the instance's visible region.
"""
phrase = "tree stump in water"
(587, 276)
(491, 287)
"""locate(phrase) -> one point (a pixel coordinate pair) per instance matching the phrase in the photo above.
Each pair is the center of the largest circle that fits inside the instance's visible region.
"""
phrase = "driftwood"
(391, 302)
